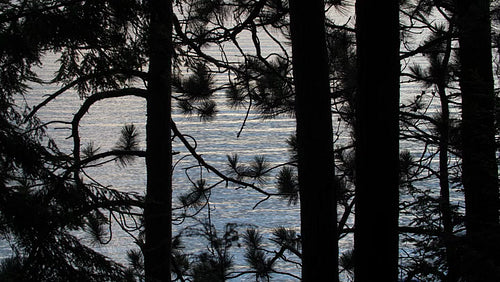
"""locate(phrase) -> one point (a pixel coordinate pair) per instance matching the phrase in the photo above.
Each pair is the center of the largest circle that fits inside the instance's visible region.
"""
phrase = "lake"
(215, 140)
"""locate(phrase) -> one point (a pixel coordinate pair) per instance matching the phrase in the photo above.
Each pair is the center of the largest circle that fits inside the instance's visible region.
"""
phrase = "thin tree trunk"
(444, 136)
(444, 202)
(315, 142)
(377, 141)
(158, 207)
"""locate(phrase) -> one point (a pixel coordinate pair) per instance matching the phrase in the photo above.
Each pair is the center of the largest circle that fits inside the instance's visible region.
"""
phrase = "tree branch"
(81, 79)
(213, 169)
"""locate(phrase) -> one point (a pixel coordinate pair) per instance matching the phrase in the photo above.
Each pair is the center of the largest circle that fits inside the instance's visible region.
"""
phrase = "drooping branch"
(83, 110)
(82, 79)
(211, 168)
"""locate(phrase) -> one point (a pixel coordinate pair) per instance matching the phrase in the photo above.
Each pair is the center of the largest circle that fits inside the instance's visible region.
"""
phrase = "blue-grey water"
(215, 140)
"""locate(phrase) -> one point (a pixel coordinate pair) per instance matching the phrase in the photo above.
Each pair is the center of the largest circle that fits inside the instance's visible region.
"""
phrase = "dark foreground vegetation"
(337, 66)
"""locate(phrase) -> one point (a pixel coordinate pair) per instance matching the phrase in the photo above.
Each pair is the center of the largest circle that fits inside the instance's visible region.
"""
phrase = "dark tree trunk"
(377, 141)
(158, 208)
(444, 137)
(315, 142)
(444, 201)
(480, 170)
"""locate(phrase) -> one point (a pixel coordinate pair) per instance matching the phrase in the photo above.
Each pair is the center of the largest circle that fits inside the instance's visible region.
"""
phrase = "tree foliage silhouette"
(103, 49)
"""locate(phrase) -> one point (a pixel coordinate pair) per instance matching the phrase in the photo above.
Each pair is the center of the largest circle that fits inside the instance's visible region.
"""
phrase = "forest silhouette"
(414, 190)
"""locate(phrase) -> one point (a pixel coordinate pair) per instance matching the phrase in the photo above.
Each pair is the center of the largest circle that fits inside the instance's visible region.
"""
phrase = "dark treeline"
(413, 183)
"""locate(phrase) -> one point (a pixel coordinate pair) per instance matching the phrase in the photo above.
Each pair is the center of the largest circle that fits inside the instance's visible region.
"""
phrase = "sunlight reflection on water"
(215, 140)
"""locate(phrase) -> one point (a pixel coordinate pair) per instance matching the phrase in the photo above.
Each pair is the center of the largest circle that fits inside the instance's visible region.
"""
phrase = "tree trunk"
(480, 170)
(444, 192)
(158, 207)
(315, 142)
(377, 141)
(444, 137)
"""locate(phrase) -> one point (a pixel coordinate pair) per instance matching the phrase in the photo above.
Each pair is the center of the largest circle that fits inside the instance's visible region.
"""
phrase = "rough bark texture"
(315, 142)
(158, 208)
(377, 144)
